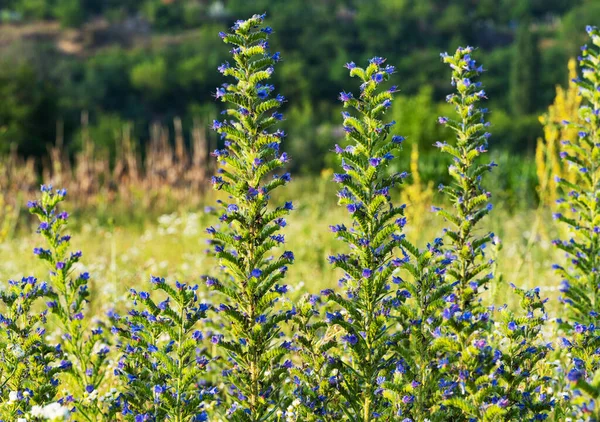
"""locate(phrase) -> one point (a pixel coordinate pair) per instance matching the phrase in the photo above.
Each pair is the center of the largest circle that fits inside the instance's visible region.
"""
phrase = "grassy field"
(121, 249)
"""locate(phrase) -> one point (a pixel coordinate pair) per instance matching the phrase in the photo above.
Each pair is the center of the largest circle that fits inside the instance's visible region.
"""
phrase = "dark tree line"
(156, 59)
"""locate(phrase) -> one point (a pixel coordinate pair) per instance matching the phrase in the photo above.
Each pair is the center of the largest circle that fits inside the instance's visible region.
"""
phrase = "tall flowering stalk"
(163, 362)
(29, 366)
(415, 387)
(470, 201)
(523, 387)
(315, 380)
(490, 370)
(252, 278)
(375, 234)
(580, 211)
(466, 320)
(86, 349)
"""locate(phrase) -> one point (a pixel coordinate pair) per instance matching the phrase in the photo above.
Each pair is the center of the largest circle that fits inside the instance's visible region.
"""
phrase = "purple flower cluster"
(164, 360)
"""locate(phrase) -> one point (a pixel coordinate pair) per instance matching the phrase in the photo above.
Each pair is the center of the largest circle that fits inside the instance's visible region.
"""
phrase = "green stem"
(179, 416)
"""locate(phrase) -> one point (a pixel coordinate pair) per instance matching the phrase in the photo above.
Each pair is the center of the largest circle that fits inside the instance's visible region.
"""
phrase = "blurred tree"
(149, 77)
(32, 9)
(69, 13)
(525, 71)
(164, 14)
(416, 119)
(27, 110)
(587, 12)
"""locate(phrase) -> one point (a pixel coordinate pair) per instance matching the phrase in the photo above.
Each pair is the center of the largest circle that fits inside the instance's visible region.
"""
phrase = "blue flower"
(262, 93)
(374, 161)
(345, 96)
(574, 375)
(351, 339)
(377, 77)
(223, 67)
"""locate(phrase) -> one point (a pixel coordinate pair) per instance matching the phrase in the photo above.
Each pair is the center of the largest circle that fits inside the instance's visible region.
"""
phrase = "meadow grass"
(122, 252)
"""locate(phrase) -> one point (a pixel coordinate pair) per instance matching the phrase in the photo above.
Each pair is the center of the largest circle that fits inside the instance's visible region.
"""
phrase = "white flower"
(52, 411)
(17, 351)
(36, 410)
(21, 420)
(13, 396)
(99, 346)
(91, 397)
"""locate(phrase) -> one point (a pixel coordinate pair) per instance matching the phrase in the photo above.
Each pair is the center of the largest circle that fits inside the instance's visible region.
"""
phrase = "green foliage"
(466, 321)
(106, 131)
(24, 99)
(470, 201)
(581, 195)
(69, 12)
(414, 389)
(416, 115)
(32, 9)
(315, 379)
(525, 377)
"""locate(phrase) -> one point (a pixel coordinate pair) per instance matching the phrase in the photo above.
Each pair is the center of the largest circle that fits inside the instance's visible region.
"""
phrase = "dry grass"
(168, 170)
